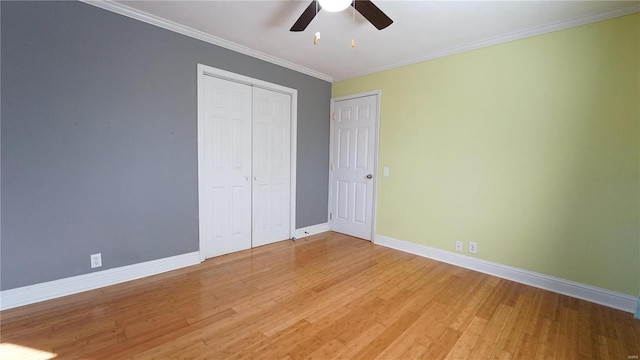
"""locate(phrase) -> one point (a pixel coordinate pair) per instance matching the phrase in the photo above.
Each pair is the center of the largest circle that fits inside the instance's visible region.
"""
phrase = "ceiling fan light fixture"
(334, 5)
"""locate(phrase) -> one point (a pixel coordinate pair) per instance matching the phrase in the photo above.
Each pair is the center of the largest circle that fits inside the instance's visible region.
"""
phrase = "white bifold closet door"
(247, 165)
(271, 166)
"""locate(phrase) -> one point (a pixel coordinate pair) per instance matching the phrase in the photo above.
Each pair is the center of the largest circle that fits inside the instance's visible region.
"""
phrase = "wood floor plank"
(628, 336)
(488, 343)
(326, 329)
(585, 343)
(326, 351)
(547, 341)
(327, 296)
(514, 327)
(415, 351)
(568, 333)
(441, 346)
(526, 347)
(533, 324)
(471, 308)
(389, 335)
(278, 345)
(426, 329)
(356, 345)
(468, 340)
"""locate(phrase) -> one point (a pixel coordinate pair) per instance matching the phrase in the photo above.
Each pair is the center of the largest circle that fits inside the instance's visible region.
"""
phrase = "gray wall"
(98, 142)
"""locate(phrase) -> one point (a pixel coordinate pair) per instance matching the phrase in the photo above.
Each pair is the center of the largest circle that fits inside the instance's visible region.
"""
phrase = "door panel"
(227, 162)
(360, 202)
(344, 148)
(353, 137)
(271, 171)
(342, 200)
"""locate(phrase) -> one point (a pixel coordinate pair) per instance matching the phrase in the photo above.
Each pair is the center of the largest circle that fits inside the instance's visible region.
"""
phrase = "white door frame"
(204, 70)
(378, 94)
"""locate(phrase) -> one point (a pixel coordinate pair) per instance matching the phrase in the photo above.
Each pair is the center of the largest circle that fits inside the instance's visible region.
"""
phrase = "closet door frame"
(203, 213)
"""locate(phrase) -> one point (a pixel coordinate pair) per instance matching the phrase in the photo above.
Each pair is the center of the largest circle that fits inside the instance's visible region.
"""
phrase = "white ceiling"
(421, 30)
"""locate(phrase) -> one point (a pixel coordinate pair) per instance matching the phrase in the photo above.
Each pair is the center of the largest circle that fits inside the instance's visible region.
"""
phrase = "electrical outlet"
(473, 247)
(96, 260)
(459, 246)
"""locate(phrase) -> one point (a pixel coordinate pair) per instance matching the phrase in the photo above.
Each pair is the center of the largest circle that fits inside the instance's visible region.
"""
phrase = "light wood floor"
(328, 296)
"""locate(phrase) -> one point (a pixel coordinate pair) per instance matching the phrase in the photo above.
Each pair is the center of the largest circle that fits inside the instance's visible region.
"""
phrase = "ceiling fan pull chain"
(316, 36)
(353, 25)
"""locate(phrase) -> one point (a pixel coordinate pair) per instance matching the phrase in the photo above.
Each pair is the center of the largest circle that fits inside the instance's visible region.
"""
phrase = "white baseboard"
(58, 288)
(590, 293)
(311, 230)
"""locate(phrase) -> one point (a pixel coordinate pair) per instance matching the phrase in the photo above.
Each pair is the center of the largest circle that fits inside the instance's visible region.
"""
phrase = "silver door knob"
(369, 176)
(248, 178)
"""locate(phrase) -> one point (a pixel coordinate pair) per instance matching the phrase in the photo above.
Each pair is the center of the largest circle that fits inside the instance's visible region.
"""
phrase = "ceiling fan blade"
(372, 13)
(305, 19)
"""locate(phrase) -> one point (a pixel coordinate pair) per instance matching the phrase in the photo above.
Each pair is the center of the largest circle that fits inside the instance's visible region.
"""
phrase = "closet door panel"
(272, 166)
(227, 160)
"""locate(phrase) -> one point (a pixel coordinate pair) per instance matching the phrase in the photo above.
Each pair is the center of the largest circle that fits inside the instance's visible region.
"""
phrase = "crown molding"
(539, 30)
(200, 35)
(121, 9)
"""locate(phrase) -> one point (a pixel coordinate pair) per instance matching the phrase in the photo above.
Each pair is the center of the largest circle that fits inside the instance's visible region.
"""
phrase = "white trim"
(231, 76)
(76, 284)
(293, 158)
(376, 152)
(200, 35)
(204, 70)
(574, 289)
(311, 230)
(539, 30)
(358, 95)
(202, 175)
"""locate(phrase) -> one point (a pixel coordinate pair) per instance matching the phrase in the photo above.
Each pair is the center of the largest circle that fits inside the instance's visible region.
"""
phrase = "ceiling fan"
(365, 7)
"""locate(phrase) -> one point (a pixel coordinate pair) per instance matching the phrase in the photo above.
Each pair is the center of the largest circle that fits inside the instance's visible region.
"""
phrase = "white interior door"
(271, 166)
(225, 166)
(354, 134)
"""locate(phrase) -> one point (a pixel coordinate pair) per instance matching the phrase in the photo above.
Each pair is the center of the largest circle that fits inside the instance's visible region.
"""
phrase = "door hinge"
(330, 216)
(333, 116)
(331, 167)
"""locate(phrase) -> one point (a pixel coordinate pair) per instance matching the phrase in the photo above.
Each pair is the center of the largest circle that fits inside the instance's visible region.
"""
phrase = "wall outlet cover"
(96, 260)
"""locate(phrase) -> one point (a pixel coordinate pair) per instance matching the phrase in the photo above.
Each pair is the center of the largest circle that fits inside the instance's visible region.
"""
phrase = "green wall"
(529, 148)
